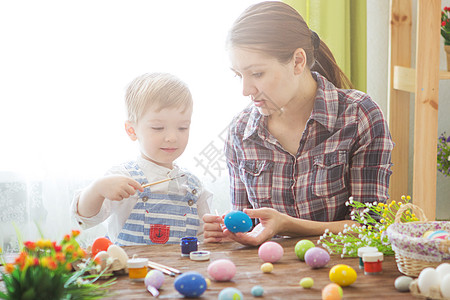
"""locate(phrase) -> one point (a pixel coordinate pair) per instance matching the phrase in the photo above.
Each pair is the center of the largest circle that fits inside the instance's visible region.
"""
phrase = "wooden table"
(282, 283)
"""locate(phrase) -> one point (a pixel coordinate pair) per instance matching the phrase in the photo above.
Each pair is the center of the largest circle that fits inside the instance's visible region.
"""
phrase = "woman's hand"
(270, 223)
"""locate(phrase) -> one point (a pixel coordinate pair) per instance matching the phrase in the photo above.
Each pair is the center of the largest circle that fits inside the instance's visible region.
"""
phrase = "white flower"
(350, 199)
(342, 255)
(375, 203)
(347, 203)
(345, 225)
(82, 265)
(327, 230)
(448, 158)
(79, 281)
(98, 268)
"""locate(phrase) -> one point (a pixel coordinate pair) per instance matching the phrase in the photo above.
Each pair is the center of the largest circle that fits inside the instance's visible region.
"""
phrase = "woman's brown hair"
(277, 29)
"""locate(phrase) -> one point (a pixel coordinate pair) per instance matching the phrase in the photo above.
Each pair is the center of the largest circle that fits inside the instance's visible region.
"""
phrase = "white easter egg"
(427, 279)
(117, 252)
(102, 257)
(443, 269)
(445, 286)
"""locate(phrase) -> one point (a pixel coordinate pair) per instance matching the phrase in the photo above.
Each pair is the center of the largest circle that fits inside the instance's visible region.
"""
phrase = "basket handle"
(416, 209)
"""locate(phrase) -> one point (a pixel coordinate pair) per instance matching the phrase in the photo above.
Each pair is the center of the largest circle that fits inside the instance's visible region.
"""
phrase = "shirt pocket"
(257, 177)
(329, 173)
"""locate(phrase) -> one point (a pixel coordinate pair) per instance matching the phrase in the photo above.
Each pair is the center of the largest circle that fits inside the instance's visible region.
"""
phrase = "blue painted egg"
(190, 284)
(238, 221)
(257, 291)
(230, 293)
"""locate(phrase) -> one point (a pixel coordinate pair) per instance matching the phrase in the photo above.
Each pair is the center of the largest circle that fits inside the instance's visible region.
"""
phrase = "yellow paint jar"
(137, 268)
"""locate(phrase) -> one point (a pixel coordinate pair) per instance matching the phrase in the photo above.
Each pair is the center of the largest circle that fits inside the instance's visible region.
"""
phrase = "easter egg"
(267, 267)
(238, 221)
(445, 286)
(190, 284)
(230, 293)
(257, 291)
(332, 291)
(221, 270)
(401, 283)
(306, 282)
(316, 257)
(101, 258)
(436, 235)
(428, 278)
(100, 244)
(342, 274)
(154, 278)
(301, 247)
(443, 269)
(270, 252)
(115, 251)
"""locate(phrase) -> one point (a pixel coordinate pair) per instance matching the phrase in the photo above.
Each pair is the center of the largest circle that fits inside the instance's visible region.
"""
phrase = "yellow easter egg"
(267, 267)
(342, 274)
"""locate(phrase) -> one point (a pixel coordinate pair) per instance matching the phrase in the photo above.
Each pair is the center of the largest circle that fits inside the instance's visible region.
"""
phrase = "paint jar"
(363, 250)
(137, 268)
(188, 244)
(373, 263)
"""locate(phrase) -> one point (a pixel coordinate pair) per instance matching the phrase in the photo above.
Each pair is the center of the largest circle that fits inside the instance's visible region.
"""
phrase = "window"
(65, 66)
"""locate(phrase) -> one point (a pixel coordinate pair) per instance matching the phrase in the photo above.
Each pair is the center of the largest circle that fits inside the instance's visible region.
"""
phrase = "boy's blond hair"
(156, 91)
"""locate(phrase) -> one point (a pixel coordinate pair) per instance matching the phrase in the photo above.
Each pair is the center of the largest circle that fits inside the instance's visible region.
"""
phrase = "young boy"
(159, 108)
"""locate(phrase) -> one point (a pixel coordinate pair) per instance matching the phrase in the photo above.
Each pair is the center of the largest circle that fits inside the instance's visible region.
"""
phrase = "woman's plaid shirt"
(345, 150)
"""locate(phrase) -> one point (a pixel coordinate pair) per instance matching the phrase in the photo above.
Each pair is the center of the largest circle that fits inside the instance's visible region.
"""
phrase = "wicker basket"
(413, 253)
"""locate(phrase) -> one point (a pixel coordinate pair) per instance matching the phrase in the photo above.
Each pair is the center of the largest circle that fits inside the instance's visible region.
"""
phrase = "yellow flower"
(408, 198)
(382, 221)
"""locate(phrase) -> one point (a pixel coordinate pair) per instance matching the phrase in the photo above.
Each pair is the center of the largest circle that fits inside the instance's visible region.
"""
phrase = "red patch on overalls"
(159, 234)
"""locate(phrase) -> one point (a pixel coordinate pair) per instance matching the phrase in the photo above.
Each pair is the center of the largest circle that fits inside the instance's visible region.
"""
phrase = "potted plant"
(445, 32)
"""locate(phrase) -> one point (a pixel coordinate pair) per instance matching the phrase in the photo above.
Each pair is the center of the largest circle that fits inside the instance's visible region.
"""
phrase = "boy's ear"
(129, 128)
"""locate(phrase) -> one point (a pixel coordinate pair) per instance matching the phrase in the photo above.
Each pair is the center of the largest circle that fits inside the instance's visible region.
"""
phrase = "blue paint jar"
(188, 244)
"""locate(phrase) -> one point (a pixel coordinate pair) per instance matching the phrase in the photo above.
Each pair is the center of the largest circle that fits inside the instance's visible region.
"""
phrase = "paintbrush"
(161, 181)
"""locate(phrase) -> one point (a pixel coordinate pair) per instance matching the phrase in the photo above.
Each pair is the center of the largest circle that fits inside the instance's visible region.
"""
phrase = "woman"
(306, 144)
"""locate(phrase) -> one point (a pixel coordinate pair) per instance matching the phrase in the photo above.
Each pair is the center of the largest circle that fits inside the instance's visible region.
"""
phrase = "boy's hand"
(116, 187)
(212, 229)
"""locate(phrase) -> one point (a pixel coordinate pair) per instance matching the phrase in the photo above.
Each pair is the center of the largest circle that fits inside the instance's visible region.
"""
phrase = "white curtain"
(64, 69)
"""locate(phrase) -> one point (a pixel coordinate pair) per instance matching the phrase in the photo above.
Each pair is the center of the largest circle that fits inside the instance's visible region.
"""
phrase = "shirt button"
(191, 202)
(194, 191)
(144, 199)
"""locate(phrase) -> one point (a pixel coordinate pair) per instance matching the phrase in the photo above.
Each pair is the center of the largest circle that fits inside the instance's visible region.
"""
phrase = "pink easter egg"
(316, 257)
(270, 252)
(222, 270)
